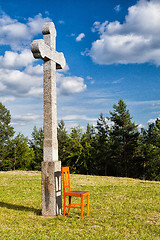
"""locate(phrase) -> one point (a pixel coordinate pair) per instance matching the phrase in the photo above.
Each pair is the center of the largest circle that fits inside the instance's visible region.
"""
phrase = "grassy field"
(120, 208)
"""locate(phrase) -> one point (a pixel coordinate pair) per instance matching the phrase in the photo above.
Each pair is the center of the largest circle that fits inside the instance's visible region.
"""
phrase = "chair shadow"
(21, 208)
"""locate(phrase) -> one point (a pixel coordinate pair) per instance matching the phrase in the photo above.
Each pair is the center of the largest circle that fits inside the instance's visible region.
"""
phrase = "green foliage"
(6, 131)
(88, 142)
(114, 147)
(37, 145)
(151, 151)
(79, 151)
(124, 139)
(74, 149)
(62, 141)
(23, 155)
(102, 146)
(19, 155)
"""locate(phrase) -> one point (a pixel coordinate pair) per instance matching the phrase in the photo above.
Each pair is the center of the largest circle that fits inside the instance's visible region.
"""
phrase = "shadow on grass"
(21, 208)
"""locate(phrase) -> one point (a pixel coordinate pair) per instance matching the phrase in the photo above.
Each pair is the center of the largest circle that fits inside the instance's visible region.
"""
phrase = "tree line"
(114, 147)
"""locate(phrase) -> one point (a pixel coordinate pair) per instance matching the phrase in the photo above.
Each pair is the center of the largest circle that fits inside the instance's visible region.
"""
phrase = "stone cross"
(51, 167)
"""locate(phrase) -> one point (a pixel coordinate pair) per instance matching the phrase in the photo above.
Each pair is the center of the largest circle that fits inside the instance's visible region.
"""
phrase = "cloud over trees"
(136, 40)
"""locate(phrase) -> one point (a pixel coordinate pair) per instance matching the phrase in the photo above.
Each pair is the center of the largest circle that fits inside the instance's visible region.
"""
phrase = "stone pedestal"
(51, 188)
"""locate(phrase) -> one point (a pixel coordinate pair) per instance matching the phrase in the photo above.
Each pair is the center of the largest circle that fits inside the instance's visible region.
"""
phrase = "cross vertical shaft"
(51, 167)
(50, 146)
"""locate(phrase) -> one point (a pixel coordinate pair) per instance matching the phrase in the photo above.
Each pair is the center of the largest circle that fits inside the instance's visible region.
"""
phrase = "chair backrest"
(66, 179)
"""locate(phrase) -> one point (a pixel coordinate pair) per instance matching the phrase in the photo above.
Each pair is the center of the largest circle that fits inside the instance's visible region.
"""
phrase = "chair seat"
(77, 193)
(70, 194)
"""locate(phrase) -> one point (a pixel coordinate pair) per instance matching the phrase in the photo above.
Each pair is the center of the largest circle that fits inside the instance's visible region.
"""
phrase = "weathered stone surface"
(45, 49)
(51, 188)
(50, 112)
(51, 167)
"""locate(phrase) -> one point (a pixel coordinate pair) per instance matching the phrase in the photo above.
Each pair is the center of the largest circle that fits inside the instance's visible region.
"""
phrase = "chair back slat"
(66, 179)
(69, 193)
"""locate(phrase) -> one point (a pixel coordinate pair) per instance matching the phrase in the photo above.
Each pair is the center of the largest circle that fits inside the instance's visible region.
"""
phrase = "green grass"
(120, 208)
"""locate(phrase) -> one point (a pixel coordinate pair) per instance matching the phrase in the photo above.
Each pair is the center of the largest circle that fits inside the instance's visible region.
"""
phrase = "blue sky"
(112, 50)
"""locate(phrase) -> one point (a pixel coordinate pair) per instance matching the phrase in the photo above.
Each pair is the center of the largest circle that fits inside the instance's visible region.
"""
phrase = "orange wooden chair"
(81, 194)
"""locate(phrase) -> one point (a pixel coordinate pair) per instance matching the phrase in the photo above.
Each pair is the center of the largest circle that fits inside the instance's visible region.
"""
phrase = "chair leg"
(69, 205)
(87, 205)
(64, 208)
(82, 206)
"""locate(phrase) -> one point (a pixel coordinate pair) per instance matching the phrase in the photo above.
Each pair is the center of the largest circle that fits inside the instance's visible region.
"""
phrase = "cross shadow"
(21, 208)
(58, 193)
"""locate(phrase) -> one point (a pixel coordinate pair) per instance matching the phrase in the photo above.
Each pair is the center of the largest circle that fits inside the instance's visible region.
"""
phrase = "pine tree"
(102, 138)
(88, 155)
(62, 142)
(124, 137)
(151, 151)
(23, 156)
(74, 150)
(6, 133)
(37, 145)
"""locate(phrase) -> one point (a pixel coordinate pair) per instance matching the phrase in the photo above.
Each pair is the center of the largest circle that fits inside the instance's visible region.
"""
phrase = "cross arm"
(45, 52)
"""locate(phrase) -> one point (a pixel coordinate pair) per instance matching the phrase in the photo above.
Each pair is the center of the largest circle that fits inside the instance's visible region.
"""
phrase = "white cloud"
(97, 26)
(61, 22)
(27, 117)
(18, 35)
(85, 52)
(18, 76)
(141, 126)
(93, 82)
(2, 86)
(150, 121)
(79, 37)
(136, 40)
(35, 24)
(70, 84)
(14, 60)
(137, 103)
(67, 85)
(7, 99)
(22, 119)
(36, 92)
(34, 70)
(18, 83)
(65, 69)
(91, 79)
(28, 81)
(117, 8)
(77, 117)
(72, 121)
(21, 76)
(118, 81)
